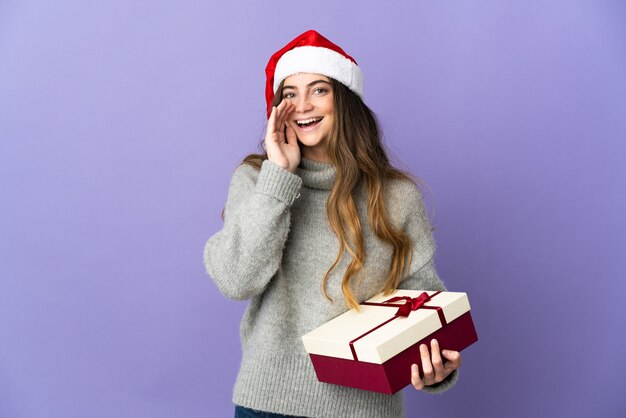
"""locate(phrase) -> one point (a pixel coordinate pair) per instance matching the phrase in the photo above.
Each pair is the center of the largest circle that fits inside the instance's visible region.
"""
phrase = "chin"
(312, 143)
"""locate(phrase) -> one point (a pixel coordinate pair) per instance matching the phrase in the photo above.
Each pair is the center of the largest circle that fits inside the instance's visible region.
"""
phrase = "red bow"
(411, 304)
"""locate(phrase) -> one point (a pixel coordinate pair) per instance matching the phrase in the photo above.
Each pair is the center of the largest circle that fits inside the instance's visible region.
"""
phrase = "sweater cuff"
(444, 385)
(279, 183)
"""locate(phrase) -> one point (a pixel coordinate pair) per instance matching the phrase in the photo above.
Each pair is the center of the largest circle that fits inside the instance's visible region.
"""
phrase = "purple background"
(122, 122)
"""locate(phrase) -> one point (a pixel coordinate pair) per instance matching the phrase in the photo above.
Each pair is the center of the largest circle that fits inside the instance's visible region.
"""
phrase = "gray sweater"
(274, 248)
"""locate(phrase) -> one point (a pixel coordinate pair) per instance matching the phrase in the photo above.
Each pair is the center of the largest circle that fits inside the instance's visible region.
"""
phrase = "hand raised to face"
(281, 142)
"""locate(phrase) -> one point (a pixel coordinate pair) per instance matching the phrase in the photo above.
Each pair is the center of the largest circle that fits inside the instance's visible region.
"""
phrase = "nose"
(303, 104)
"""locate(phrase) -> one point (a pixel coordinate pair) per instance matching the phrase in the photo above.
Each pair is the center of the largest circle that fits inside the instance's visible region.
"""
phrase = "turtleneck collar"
(316, 174)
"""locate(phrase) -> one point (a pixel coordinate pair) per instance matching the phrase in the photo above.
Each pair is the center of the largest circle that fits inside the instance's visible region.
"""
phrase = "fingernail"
(414, 368)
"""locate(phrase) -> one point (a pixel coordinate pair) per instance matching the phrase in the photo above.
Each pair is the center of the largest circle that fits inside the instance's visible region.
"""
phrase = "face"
(313, 116)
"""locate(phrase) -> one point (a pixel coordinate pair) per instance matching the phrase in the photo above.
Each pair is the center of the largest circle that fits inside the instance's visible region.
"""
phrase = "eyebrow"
(308, 85)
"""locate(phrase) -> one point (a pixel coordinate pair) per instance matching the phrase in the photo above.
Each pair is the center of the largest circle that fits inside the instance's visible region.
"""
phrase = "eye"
(288, 96)
(321, 90)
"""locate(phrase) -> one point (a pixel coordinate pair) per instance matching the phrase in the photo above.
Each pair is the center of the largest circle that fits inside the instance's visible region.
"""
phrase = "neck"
(315, 154)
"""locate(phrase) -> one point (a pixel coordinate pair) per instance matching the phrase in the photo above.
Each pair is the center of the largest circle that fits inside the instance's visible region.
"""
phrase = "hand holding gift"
(374, 348)
(434, 370)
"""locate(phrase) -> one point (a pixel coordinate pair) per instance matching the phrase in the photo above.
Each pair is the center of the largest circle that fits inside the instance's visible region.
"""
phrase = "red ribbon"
(410, 305)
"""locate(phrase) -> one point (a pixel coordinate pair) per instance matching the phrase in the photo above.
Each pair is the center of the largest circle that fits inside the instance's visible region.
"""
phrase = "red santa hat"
(311, 53)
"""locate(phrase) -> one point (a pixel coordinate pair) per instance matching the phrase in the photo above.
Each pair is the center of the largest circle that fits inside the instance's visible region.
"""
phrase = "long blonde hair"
(356, 151)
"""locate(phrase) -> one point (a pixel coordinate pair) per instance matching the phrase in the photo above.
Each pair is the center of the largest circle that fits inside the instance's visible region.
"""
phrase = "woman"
(313, 226)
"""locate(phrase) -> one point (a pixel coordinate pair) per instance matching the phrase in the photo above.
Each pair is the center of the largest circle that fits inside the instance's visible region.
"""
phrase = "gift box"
(374, 349)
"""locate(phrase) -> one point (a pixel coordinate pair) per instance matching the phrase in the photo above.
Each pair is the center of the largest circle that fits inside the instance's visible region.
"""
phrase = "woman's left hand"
(433, 368)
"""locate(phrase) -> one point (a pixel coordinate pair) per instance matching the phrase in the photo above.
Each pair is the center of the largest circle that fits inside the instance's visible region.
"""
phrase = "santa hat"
(311, 53)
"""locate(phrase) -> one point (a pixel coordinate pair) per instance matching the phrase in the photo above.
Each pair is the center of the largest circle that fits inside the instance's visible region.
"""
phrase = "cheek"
(328, 110)
(328, 105)
(331, 118)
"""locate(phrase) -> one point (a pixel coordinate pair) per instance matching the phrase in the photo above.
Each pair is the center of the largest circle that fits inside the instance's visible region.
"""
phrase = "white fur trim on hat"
(319, 60)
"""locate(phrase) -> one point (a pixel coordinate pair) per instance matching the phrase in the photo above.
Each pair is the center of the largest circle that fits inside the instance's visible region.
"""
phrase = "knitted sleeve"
(245, 254)
(418, 228)
(423, 275)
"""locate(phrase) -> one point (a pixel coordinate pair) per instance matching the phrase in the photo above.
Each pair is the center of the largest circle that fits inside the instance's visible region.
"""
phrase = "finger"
(436, 360)
(292, 139)
(427, 367)
(279, 127)
(271, 121)
(281, 108)
(454, 360)
(282, 105)
(416, 381)
(285, 112)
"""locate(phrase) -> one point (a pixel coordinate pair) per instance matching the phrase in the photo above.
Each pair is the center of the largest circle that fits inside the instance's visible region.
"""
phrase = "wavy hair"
(356, 151)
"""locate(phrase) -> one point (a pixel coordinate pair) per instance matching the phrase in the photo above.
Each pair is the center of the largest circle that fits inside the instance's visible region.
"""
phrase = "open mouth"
(305, 123)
